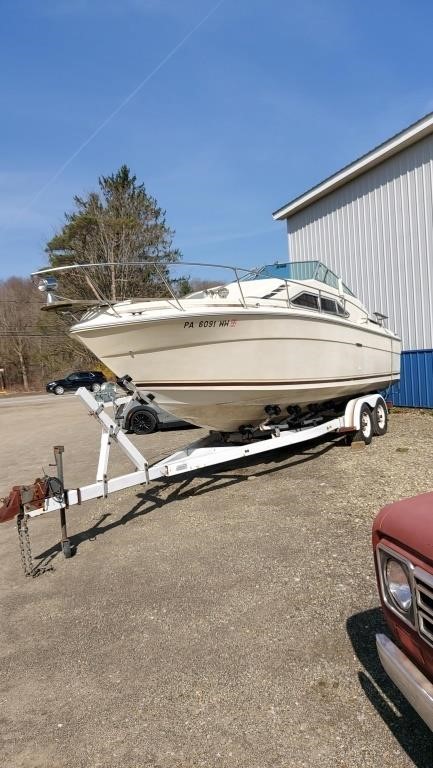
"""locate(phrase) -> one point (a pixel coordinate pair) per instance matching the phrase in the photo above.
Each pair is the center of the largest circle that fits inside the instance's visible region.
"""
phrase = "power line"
(23, 332)
(27, 335)
(25, 302)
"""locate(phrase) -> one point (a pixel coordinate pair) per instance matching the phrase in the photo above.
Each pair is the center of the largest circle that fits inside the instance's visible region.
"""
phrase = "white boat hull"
(220, 370)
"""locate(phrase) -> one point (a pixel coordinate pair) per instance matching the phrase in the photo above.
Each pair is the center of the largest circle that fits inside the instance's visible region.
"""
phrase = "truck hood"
(410, 523)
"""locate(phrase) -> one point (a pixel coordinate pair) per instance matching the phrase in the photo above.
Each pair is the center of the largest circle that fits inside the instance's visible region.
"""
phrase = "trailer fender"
(352, 416)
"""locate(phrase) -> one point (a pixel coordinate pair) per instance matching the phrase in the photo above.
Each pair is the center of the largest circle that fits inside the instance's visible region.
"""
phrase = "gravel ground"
(222, 620)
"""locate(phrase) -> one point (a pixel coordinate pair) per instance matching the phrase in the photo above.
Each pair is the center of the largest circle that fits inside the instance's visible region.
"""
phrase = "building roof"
(392, 146)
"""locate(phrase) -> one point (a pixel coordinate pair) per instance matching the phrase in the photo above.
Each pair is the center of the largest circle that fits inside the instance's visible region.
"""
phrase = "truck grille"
(424, 602)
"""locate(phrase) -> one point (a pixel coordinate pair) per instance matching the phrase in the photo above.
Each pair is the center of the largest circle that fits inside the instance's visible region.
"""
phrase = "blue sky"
(263, 100)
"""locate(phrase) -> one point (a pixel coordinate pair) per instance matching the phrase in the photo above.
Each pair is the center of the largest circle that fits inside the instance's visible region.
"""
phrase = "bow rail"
(55, 301)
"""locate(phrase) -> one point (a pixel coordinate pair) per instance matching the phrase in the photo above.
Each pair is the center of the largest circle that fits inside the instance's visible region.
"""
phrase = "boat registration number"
(209, 323)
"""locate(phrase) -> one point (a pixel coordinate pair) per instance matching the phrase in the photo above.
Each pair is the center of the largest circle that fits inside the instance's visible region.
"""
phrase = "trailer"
(358, 419)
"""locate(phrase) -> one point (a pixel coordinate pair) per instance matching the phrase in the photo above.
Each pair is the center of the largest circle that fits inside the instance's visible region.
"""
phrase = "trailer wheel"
(380, 418)
(366, 422)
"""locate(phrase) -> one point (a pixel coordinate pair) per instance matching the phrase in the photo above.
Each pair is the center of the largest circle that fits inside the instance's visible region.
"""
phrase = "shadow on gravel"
(409, 730)
(196, 484)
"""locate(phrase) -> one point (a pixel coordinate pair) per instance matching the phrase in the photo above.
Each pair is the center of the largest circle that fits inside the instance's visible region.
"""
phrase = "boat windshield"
(299, 270)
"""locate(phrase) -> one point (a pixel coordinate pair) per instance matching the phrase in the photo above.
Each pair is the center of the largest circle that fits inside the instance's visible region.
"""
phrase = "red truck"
(403, 553)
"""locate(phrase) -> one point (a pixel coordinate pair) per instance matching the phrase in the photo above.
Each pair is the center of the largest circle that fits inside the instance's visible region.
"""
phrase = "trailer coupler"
(24, 498)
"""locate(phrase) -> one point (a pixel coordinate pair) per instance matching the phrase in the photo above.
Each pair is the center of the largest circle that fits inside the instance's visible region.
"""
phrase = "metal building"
(372, 223)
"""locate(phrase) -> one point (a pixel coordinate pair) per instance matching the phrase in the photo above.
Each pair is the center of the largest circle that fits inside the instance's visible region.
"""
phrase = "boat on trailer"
(259, 349)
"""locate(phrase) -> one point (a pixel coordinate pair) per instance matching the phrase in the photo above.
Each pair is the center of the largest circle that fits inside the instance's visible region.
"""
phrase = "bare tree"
(35, 346)
(18, 317)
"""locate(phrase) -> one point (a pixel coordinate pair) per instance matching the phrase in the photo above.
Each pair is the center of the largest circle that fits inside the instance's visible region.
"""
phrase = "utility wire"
(34, 335)
(22, 301)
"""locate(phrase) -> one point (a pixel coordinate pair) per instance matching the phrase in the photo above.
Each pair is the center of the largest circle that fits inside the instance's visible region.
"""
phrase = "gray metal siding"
(377, 233)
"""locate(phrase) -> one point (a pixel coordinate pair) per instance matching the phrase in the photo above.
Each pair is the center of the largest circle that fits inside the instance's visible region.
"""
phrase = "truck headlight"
(397, 584)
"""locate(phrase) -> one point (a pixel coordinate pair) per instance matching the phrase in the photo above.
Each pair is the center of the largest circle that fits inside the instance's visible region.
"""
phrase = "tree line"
(34, 346)
(121, 224)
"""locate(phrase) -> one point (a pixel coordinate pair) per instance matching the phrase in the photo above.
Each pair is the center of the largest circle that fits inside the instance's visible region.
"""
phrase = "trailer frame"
(49, 494)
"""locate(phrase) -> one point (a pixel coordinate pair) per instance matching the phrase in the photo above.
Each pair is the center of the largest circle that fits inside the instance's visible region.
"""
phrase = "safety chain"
(25, 547)
(26, 551)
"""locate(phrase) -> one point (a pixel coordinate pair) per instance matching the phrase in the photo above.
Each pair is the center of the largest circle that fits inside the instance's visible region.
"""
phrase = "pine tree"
(121, 224)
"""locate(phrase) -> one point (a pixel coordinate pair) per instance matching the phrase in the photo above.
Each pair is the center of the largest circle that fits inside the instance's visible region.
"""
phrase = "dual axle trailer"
(358, 419)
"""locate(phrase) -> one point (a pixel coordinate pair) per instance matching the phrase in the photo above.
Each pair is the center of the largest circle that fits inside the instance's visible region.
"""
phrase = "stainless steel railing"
(238, 275)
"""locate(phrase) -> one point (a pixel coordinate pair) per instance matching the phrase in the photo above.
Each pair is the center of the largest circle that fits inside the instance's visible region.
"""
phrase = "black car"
(144, 416)
(138, 413)
(90, 379)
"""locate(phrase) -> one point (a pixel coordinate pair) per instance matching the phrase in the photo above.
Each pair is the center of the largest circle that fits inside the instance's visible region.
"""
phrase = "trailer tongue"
(360, 418)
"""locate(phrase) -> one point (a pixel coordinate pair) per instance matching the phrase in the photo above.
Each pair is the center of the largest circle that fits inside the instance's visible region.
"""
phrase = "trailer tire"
(366, 424)
(380, 418)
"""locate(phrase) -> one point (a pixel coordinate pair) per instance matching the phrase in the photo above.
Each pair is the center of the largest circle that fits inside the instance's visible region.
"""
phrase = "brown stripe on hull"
(260, 383)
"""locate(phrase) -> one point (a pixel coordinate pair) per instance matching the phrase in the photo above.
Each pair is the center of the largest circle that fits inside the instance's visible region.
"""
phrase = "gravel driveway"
(225, 619)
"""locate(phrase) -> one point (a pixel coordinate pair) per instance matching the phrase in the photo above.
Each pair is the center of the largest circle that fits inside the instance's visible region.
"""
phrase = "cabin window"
(328, 305)
(332, 306)
(307, 300)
